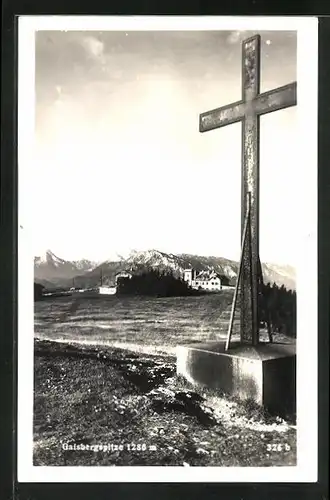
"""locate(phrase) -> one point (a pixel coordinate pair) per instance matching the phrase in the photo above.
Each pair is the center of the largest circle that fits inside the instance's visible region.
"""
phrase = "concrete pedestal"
(265, 373)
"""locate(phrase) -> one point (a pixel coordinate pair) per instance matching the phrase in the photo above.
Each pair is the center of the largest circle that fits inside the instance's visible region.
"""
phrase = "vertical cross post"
(248, 110)
(250, 188)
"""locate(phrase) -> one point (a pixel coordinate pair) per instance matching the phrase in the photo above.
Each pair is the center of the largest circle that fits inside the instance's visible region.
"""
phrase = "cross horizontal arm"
(276, 99)
(220, 117)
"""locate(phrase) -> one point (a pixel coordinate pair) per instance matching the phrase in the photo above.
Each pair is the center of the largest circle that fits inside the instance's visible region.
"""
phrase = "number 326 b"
(278, 447)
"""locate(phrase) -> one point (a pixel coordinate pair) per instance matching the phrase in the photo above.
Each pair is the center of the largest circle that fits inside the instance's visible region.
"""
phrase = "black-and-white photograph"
(161, 215)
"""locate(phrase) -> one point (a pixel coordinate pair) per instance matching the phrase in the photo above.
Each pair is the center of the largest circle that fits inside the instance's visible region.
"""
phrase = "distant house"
(107, 290)
(206, 280)
(122, 274)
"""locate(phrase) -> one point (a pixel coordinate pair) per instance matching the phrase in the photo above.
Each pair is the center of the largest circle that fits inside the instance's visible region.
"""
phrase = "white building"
(107, 290)
(122, 274)
(205, 280)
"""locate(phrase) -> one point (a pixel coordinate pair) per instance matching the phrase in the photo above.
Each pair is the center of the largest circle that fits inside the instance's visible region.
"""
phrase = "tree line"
(154, 283)
(278, 309)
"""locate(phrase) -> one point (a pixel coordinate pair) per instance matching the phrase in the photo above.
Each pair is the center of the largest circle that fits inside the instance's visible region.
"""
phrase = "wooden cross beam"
(248, 110)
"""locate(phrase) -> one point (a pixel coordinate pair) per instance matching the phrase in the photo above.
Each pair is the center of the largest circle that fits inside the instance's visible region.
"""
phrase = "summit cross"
(248, 110)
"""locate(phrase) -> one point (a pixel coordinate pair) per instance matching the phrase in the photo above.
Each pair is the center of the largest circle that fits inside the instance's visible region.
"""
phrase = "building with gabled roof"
(123, 274)
(206, 280)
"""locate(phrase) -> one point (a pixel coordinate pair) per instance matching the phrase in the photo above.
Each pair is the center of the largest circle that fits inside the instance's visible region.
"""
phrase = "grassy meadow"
(152, 325)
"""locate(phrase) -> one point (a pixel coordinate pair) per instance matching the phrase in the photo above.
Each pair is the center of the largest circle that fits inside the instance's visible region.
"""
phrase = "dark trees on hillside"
(154, 283)
(38, 289)
(277, 307)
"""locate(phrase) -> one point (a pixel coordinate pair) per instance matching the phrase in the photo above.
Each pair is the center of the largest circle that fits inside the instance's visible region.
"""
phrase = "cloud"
(94, 48)
(236, 36)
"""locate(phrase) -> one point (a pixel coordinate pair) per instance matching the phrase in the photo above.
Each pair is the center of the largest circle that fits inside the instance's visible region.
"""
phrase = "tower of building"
(189, 276)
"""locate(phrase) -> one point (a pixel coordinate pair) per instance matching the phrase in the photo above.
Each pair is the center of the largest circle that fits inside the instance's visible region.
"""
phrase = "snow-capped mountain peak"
(49, 266)
(49, 257)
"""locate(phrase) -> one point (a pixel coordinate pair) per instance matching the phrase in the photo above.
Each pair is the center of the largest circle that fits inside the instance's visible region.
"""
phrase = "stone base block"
(265, 373)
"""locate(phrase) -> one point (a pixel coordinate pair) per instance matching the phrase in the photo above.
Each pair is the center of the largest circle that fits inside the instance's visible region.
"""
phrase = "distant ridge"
(51, 269)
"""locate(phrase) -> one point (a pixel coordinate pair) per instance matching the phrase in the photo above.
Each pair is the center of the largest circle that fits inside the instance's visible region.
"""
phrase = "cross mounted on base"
(248, 110)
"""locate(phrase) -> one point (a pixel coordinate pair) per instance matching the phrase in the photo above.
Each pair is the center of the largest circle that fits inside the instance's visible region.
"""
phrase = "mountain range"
(49, 267)
(52, 271)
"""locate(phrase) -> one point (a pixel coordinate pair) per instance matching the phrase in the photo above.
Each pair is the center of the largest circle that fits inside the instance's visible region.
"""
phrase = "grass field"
(147, 324)
(105, 375)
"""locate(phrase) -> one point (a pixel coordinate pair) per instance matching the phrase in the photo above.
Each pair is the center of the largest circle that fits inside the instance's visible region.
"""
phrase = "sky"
(120, 163)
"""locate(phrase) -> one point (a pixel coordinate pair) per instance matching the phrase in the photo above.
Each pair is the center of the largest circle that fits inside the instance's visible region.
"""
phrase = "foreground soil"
(106, 406)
